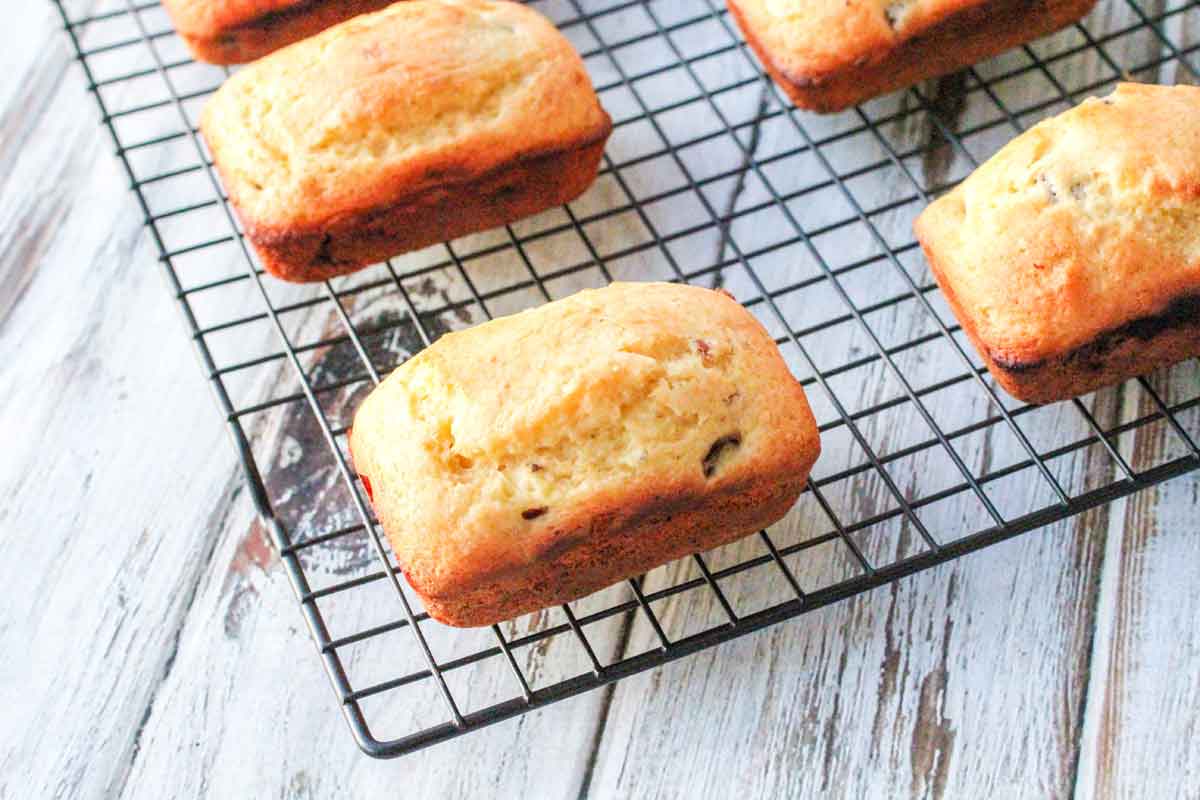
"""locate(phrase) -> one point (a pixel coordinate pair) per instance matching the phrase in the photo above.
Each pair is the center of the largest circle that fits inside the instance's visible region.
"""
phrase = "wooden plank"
(106, 504)
(245, 628)
(987, 654)
(1140, 724)
(250, 708)
(26, 205)
(938, 686)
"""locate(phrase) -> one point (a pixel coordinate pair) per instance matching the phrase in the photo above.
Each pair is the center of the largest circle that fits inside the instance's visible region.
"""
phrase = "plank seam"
(225, 508)
(1096, 607)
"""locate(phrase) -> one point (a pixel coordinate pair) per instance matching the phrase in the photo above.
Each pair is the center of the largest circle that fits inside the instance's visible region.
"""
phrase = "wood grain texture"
(246, 630)
(1140, 729)
(154, 648)
(96, 584)
(30, 210)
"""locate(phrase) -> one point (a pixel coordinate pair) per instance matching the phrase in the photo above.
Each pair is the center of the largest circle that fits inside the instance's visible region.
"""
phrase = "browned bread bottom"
(273, 30)
(963, 39)
(619, 543)
(436, 215)
(1135, 348)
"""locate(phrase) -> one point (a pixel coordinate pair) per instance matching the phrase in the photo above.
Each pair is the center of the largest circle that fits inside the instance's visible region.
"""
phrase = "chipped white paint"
(152, 647)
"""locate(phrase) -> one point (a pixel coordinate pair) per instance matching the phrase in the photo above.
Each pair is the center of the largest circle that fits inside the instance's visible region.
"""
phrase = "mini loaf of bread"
(537, 458)
(425, 121)
(828, 55)
(1072, 257)
(237, 31)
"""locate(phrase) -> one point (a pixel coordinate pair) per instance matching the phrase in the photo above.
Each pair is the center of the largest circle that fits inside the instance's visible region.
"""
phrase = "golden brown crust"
(209, 18)
(377, 135)
(1123, 354)
(613, 544)
(537, 458)
(1137, 347)
(1072, 257)
(435, 215)
(839, 54)
(240, 31)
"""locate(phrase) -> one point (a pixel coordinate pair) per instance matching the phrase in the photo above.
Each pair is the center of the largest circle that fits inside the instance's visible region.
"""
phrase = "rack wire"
(710, 178)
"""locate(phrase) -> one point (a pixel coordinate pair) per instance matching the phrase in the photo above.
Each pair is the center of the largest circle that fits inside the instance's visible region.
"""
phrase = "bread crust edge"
(246, 40)
(939, 50)
(623, 533)
(608, 544)
(353, 240)
(1135, 347)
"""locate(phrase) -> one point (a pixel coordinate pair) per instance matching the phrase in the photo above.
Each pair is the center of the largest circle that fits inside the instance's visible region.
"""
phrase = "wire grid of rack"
(711, 178)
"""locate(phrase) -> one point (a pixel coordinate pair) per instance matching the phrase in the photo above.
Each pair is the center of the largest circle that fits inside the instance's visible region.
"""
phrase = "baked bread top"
(809, 39)
(1086, 222)
(492, 447)
(422, 94)
(208, 18)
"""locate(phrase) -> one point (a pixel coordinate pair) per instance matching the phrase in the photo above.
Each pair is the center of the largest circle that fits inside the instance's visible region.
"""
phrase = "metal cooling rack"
(710, 178)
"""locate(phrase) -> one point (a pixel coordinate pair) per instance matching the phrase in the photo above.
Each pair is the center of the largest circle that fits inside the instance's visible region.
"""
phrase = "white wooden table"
(151, 647)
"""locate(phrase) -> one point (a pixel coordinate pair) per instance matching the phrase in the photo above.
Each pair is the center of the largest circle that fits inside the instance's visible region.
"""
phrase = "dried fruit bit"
(719, 447)
(533, 513)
